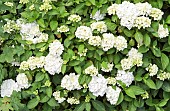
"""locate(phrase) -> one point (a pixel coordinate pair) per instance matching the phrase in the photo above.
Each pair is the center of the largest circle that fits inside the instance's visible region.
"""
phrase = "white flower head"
(58, 97)
(112, 9)
(112, 95)
(83, 32)
(7, 87)
(107, 41)
(74, 18)
(93, 71)
(95, 40)
(156, 13)
(125, 77)
(99, 26)
(142, 22)
(70, 82)
(56, 48)
(97, 16)
(63, 28)
(153, 69)
(22, 81)
(162, 32)
(98, 85)
(120, 43)
(73, 100)
(144, 8)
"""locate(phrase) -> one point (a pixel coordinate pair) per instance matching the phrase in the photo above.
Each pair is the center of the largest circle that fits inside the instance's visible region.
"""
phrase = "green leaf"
(77, 69)
(52, 102)
(104, 64)
(53, 25)
(166, 86)
(32, 103)
(98, 105)
(139, 37)
(150, 83)
(130, 93)
(121, 97)
(164, 61)
(80, 107)
(63, 69)
(39, 77)
(92, 2)
(163, 102)
(49, 91)
(88, 107)
(134, 90)
(168, 19)
(128, 33)
(156, 52)
(147, 40)
(81, 48)
(41, 23)
(74, 63)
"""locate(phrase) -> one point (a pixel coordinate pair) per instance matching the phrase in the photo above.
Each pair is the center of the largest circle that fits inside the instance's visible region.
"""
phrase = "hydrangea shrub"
(84, 55)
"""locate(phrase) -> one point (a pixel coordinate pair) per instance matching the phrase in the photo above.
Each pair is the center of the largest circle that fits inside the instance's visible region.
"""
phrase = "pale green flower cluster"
(46, 6)
(163, 76)
(11, 26)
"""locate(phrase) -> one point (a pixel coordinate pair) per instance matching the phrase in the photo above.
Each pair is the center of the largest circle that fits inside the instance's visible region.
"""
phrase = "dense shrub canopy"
(84, 55)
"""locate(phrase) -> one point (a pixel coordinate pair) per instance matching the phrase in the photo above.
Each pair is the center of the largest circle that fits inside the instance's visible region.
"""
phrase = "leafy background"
(40, 98)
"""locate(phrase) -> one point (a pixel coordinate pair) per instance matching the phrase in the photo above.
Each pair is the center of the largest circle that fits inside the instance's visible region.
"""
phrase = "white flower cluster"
(111, 81)
(63, 28)
(108, 69)
(109, 41)
(153, 69)
(58, 97)
(51, 63)
(9, 85)
(23, 1)
(70, 82)
(31, 32)
(93, 71)
(73, 100)
(134, 58)
(10, 26)
(33, 63)
(98, 85)
(97, 16)
(83, 53)
(56, 48)
(46, 5)
(74, 18)
(112, 95)
(125, 77)
(95, 40)
(162, 32)
(120, 43)
(135, 15)
(163, 75)
(99, 26)
(83, 32)
(22, 81)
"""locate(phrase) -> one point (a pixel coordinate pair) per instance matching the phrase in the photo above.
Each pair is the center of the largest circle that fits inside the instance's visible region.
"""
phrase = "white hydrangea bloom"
(109, 67)
(45, 6)
(112, 9)
(135, 56)
(142, 22)
(23, 1)
(70, 82)
(7, 87)
(53, 64)
(97, 16)
(125, 77)
(73, 100)
(83, 32)
(112, 95)
(32, 7)
(107, 41)
(127, 12)
(162, 32)
(74, 18)
(111, 81)
(63, 28)
(126, 63)
(24, 66)
(144, 8)
(93, 71)
(56, 48)
(22, 81)
(58, 97)
(31, 32)
(153, 69)
(10, 26)
(98, 85)
(120, 43)
(95, 40)
(163, 75)
(99, 26)
(156, 13)
(83, 53)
